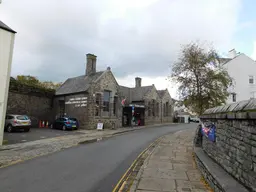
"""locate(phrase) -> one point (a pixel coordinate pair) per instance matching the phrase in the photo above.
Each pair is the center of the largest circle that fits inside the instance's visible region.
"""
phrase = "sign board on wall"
(77, 101)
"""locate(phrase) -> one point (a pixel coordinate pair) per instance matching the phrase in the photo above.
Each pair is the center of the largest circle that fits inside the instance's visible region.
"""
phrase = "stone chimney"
(137, 82)
(90, 64)
(232, 54)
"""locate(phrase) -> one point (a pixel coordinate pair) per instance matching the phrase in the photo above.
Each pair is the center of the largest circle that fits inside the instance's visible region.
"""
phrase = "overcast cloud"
(133, 37)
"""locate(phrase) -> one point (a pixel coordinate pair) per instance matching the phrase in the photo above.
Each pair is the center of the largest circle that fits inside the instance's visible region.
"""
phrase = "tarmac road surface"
(89, 167)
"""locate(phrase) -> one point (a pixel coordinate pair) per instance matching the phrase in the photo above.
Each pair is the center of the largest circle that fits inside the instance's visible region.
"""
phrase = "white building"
(7, 36)
(243, 71)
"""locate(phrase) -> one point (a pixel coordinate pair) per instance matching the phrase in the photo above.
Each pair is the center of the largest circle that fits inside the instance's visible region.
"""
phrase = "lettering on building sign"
(78, 101)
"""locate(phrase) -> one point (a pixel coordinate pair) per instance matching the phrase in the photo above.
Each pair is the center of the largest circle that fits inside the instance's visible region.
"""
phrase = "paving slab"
(164, 173)
(157, 184)
(157, 164)
(171, 167)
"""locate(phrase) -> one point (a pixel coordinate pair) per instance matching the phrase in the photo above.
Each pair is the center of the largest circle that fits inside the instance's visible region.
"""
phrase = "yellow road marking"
(135, 161)
(122, 187)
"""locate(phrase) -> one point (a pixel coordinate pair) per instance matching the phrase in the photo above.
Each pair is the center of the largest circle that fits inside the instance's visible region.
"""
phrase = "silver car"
(17, 122)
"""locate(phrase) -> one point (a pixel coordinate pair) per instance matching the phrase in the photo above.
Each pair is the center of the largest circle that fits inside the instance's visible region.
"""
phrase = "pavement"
(35, 134)
(171, 167)
(89, 167)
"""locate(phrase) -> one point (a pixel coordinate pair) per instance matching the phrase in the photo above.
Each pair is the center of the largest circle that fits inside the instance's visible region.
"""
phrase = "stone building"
(150, 105)
(91, 97)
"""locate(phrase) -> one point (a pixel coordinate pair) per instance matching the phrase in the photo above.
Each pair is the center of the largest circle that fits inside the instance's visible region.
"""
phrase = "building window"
(166, 108)
(98, 104)
(153, 108)
(149, 109)
(106, 100)
(233, 97)
(157, 109)
(251, 79)
(115, 105)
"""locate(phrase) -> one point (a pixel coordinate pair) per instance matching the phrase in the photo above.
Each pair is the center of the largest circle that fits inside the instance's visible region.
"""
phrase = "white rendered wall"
(6, 51)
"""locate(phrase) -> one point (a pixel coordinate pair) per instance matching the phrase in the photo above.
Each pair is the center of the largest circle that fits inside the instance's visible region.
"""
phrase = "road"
(35, 134)
(94, 167)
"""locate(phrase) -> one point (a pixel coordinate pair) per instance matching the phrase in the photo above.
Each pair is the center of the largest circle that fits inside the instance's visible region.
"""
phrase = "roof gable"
(5, 27)
(161, 93)
(78, 84)
(241, 55)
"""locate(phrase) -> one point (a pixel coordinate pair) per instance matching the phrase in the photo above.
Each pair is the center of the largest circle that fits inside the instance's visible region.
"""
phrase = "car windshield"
(22, 117)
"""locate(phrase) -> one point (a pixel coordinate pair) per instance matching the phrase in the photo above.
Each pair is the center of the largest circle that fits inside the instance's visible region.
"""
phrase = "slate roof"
(161, 93)
(78, 84)
(135, 93)
(5, 27)
(138, 93)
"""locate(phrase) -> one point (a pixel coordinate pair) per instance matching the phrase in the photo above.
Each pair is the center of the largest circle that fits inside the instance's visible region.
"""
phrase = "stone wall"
(32, 101)
(107, 82)
(76, 105)
(169, 117)
(160, 116)
(208, 176)
(235, 146)
(152, 119)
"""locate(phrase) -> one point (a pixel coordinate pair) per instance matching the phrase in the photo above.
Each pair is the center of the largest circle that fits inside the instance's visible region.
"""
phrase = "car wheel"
(64, 128)
(27, 130)
(9, 128)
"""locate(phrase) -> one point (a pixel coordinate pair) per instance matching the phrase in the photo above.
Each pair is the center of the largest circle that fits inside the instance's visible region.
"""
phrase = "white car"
(17, 122)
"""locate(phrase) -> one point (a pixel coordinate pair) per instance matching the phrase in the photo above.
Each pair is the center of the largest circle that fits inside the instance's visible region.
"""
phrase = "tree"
(33, 81)
(50, 85)
(28, 80)
(202, 80)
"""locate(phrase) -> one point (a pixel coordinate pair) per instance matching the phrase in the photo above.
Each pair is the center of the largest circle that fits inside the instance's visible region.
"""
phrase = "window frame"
(106, 103)
(251, 79)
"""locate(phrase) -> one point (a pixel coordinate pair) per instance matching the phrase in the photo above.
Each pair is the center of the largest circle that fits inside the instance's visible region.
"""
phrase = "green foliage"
(50, 85)
(33, 81)
(202, 80)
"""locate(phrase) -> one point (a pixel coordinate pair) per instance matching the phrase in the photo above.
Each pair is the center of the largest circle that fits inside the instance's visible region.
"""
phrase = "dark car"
(65, 123)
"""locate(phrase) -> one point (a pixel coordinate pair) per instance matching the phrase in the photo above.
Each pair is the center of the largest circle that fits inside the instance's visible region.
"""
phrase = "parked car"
(76, 120)
(195, 119)
(65, 123)
(17, 122)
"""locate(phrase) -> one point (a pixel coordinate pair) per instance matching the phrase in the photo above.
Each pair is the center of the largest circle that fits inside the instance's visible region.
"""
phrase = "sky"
(134, 37)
